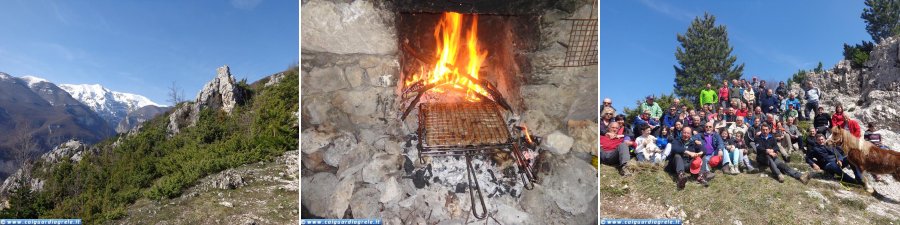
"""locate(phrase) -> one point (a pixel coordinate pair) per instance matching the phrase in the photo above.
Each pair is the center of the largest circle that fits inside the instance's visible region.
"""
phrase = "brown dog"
(868, 157)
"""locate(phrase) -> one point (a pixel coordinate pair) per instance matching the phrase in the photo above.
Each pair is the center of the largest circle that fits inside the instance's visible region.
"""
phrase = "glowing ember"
(446, 69)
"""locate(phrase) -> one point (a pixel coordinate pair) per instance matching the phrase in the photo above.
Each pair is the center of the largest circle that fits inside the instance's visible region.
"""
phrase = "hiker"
(713, 149)
(852, 126)
(607, 104)
(837, 119)
(781, 90)
(735, 93)
(646, 148)
(830, 160)
(684, 150)
(723, 95)
(792, 131)
(669, 118)
(732, 154)
(623, 130)
(653, 107)
(808, 140)
(607, 117)
(769, 102)
(642, 120)
(739, 141)
(749, 95)
(767, 155)
(708, 96)
(785, 146)
(812, 99)
(871, 136)
(822, 121)
(615, 150)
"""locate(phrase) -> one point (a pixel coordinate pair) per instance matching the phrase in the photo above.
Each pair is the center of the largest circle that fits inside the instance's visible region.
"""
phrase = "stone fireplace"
(361, 124)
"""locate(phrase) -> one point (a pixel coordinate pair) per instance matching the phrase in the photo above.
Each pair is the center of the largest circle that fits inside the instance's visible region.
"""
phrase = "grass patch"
(749, 198)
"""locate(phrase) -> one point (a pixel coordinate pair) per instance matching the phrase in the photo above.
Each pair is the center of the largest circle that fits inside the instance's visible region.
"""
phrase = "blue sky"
(773, 38)
(142, 46)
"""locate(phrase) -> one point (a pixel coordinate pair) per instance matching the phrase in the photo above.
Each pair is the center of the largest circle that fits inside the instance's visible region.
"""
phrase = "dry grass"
(749, 198)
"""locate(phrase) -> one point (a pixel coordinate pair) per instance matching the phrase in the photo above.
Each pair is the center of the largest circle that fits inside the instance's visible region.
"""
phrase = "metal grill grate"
(461, 124)
(582, 49)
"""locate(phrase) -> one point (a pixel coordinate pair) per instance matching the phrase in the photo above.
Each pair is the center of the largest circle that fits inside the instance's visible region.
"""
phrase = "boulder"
(220, 93)
(572, 184)
(364, 203)
(326, 196)
(558, 143)
(347, 28)
(585, 134)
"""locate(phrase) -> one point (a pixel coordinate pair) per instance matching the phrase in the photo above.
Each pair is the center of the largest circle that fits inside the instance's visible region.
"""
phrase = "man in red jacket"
(615, 149)
(853, 127)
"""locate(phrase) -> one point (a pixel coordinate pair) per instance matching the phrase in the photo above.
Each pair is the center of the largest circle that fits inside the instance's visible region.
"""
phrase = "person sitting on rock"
(790, 112)
(615, 150)
(831, 160)
(808, 140)
(792, 131)
(708, 96)
(732, 154)
(743, 112)
(740, 142)
(785, 146)
(791, 100)
(653, 107)
(607, 117)
(769, 103)
(696, 124)
(781, 90)
(646, 149)
(822, 121)
(739, 126)
(713, 150)
(623, 130)
(767, 156)
(669, 118)
(852, 126)
(838, 118)
(644, 119)
(873, 137)
(684, 151)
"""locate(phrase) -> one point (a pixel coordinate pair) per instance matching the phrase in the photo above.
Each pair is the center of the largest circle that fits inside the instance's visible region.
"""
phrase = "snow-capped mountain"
(113, 106)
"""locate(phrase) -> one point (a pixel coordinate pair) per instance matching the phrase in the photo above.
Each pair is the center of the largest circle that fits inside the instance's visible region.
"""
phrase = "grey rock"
(355, 76)
(572, 184)
(139, 116)
(326, 196)
(510, 215)
(324, 80)
(585, 134)
(539, 124)
(558, 143)
(378, 168)
(220, 93)
(347, 28)
(274, 79)
(390, 190)
(344, 143)
(364, 203)
(227, 180)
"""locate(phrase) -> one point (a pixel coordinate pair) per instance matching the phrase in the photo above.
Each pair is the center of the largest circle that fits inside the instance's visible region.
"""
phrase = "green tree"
(858, 54)
(882, 18)
(818, 68)
(703, 57)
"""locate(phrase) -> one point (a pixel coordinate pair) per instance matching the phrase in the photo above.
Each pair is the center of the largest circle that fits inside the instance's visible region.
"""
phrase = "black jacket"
(821, 155)
(764, 143)
(680, 146)
(822, 120)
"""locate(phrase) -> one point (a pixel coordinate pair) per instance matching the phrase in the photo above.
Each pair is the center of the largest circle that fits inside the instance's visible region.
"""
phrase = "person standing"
(723, 95)
(812, 99)
(708, 96)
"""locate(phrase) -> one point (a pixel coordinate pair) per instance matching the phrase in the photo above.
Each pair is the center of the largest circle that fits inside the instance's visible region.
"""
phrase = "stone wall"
(359, 159)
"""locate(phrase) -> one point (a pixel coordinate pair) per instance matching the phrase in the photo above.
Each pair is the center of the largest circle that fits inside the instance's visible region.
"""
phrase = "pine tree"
(882, 18)
(704, 57)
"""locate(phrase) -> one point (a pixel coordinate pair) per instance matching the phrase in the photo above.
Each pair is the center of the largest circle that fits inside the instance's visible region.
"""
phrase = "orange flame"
(527, 135)
(448, 34)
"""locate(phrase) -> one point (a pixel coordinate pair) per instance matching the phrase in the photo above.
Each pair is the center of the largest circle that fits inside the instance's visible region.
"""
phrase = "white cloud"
(669, 10)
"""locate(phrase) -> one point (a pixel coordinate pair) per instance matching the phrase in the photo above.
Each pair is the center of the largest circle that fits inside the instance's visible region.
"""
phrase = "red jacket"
(723, 93)
(610, 144)
(741, 113)
(854, 128)
(837, 120)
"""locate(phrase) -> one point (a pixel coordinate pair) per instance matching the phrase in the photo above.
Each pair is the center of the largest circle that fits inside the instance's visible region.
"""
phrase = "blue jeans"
(732, 157)
(833, 169)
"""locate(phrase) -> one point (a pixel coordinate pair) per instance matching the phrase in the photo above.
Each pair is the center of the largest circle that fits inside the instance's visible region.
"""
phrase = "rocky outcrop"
(868, 94)
(222, 93)
(72, 149)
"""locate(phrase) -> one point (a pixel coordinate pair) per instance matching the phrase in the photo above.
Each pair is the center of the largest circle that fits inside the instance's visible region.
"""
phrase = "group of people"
(740, 126)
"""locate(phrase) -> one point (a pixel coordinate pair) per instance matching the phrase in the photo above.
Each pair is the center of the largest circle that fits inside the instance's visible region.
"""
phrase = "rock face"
(71, 149)
(141, 115)
(347, 28)
(868, 94)
(558, 143)
(222, 93)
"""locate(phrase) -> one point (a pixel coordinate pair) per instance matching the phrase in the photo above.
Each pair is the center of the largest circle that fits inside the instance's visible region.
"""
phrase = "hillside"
(36, 115)
(868, 94)
(229, 124)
